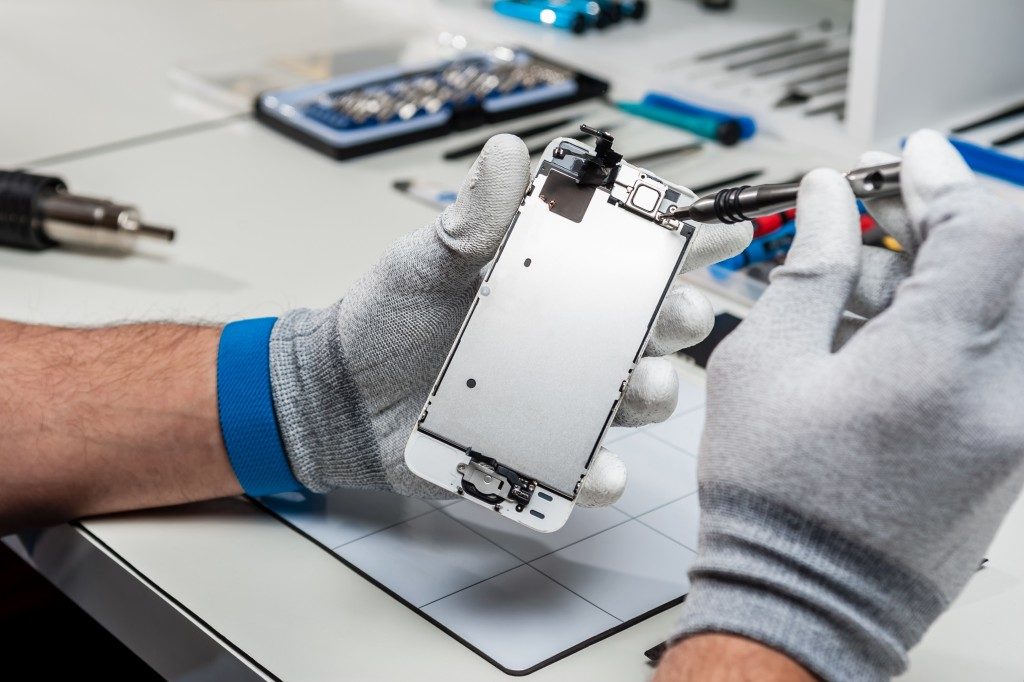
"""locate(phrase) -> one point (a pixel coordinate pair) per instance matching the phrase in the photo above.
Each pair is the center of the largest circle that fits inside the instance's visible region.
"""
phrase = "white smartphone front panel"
(553, 336)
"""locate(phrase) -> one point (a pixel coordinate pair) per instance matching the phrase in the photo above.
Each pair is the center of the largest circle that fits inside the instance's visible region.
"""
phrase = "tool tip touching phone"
(539, 367)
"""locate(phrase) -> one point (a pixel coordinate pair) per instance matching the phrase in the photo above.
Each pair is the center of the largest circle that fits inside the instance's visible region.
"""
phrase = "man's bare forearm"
(727, 658)
(104, 420)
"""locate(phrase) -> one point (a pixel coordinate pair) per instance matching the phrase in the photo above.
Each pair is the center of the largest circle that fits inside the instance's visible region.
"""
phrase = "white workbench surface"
(221, 590)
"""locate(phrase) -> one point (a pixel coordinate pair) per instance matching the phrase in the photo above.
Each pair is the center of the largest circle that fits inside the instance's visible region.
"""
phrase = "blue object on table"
(560, 15)
(617, 10)
(595, 13)
(659, 99)
(634, 9)
(991, 162)
(765, 248)
(726, 132)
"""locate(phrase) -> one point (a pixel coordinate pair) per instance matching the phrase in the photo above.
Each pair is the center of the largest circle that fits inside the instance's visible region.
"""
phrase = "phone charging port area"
(493, 484)
(486, 482)
(489, 483)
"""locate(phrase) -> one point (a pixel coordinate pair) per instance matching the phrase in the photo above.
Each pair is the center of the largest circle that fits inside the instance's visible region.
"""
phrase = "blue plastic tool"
(560, 15)
(991, 162)
(724, 131)
(597, 14)
(748, 127)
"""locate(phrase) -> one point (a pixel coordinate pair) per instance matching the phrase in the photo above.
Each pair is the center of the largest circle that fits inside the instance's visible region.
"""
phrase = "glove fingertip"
(825, 196)
(875, 157)
(827, 224)
(490, 195)
(604, 482)
(687, 318)
(824, 180)
(714, 243)
(504, 161)
(510, 146)
(651, 394)
(931, 167)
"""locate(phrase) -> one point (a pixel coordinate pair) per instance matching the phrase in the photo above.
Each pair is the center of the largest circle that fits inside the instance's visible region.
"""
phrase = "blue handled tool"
(724, 131)
(659, 99)
(991, 162)
(565, 15)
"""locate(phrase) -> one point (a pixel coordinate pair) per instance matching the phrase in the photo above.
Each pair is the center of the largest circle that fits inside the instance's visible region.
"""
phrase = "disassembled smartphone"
(560, 321)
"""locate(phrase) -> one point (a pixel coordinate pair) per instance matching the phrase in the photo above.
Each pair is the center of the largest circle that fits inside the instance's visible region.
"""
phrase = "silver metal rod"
(97, 224)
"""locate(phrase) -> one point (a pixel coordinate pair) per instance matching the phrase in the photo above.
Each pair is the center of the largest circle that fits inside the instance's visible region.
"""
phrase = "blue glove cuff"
(245, 403)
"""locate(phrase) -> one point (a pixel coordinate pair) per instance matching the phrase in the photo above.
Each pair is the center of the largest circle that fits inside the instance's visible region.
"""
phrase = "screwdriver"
(736, 204)
(38, 212)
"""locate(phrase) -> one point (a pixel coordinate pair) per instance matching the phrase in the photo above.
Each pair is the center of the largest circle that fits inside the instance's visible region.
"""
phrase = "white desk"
(84, 75)
(222, 590)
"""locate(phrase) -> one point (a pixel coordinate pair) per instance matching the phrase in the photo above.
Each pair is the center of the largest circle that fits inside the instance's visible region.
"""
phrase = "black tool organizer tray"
(369, 111)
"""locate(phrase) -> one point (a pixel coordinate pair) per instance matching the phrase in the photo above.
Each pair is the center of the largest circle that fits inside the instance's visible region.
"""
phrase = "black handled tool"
(736, 204)
(38, 211)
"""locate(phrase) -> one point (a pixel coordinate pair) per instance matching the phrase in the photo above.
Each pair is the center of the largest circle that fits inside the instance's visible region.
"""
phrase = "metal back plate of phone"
(541, 362)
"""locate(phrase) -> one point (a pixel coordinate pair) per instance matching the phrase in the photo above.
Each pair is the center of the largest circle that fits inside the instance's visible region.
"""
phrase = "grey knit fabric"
(349, 381)
(875, 606)
(348, 393)
(847, 495)
(310, 376)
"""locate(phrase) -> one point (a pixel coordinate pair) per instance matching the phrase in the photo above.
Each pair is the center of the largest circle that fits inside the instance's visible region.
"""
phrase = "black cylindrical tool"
(38, 212)
(736, 204)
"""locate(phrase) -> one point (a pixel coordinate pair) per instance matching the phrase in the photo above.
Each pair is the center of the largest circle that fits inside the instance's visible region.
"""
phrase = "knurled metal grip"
(21, 220)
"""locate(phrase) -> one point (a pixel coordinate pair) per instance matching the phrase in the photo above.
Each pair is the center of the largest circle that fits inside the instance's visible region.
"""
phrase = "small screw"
(551, 203)
(497, 507)
(460, 491)
(461, 468)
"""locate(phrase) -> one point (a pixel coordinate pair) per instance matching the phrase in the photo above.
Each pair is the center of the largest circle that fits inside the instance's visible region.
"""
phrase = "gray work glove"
(349, 381)
(848, 495)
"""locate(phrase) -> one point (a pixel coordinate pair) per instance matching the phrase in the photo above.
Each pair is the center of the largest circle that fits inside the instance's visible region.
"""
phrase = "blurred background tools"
(736, 204)
(576, 16)
(38, 212)
(376, 109)
(721, 126)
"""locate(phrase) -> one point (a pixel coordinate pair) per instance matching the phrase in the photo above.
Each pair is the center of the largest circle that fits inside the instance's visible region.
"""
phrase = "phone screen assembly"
(537, 371)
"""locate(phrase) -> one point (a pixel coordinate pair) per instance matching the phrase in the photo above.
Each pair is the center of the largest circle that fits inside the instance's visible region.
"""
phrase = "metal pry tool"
(38, 212)
(736, 204)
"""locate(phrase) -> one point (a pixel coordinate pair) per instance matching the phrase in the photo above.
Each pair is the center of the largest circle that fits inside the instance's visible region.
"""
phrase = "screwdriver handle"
(736, 204)
(875, 181)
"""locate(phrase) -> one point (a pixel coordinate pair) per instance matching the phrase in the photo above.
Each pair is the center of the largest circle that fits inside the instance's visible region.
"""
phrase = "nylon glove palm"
(349, 381)
(848, 495)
